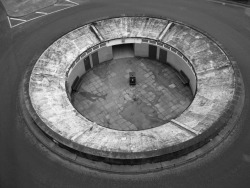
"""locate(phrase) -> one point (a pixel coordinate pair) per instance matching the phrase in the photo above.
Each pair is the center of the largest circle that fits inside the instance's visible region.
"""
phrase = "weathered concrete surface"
(215, 91)
(215, 85)
(131, 27)
(18, 155)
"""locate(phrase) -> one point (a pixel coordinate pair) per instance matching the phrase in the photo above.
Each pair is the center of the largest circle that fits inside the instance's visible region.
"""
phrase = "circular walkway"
(218, 90)
(225, 23)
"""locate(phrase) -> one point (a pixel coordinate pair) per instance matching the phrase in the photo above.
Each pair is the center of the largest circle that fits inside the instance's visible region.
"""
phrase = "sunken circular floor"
(158, 119)
(106, 97)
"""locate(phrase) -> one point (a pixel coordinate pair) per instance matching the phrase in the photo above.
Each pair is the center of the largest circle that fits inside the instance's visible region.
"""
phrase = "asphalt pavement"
(26, 163)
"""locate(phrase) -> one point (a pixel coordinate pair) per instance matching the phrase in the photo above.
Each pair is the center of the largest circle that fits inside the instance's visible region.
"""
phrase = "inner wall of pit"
(142, 48)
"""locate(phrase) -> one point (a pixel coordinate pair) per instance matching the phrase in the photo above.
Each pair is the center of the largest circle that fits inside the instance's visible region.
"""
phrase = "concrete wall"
(105, 54)
(51, 105)
(141, 50)
(158, 53)
(179, 64)
(91, 61)
(78, 70)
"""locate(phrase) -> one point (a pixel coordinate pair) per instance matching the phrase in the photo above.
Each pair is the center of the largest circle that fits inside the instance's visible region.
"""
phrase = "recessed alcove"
(123, 51)
(124, 48)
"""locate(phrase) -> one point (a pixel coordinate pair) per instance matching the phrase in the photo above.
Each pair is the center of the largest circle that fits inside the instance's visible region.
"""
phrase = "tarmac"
(227, 169)
(18, 8)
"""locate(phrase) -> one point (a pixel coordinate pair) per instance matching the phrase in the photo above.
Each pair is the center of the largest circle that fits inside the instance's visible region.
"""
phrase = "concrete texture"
(21, 154)
(142, 27)
(105, 96)
(61, 121)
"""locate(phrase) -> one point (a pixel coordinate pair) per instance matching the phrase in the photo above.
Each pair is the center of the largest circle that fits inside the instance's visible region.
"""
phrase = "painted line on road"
(42, 13)
(9, 20)
(229, 3)
(64, 5)
(14, 22)
(72, 2)
(19, 21)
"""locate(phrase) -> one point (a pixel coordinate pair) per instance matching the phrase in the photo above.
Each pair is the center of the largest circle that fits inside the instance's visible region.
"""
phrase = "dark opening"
(95, 59)
(152, 52)
(123, 51)
(163, 56)
(87, 63)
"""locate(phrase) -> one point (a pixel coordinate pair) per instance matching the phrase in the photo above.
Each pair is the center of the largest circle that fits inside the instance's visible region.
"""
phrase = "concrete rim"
(201, 138)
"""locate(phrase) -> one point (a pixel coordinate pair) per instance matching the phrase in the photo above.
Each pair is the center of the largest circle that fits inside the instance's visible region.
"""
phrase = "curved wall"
(210, 110)
(141, 49)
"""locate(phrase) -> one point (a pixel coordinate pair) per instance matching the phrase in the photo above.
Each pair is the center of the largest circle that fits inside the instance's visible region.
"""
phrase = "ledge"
(49, 106)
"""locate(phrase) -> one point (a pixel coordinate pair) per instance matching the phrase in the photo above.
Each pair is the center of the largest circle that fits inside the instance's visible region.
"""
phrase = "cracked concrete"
(215, 91)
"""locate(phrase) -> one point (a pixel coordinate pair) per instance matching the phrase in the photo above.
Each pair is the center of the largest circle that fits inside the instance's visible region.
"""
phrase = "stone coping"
(210, 110)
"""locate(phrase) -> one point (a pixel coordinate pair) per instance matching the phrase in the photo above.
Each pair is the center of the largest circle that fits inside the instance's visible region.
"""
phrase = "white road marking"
(21, 21)
(9, 20)
(60, 10)
(16, 25)
(36, 17)
(64, 6)
(18, 19)
(44, 13)
(72, 2)
(228, 3)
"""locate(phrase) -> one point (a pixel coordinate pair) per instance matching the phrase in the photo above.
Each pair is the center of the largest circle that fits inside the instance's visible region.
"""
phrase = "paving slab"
(144, 106)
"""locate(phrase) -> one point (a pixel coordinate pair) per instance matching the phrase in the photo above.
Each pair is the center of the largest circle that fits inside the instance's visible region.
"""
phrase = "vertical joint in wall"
(97, 33)
(163, 33)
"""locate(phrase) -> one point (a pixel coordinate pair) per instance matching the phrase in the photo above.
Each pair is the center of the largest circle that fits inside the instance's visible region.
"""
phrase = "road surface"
(25, 163)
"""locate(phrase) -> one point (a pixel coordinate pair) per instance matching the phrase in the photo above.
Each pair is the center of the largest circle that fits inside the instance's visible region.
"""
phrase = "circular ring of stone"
(51, 109)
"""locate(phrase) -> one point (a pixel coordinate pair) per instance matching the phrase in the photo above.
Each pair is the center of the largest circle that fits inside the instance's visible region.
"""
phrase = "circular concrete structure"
(213, 80)
(105, 96)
